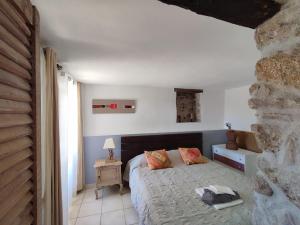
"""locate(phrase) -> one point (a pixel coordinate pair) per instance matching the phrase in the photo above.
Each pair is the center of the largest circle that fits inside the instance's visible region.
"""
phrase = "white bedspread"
(168, 197)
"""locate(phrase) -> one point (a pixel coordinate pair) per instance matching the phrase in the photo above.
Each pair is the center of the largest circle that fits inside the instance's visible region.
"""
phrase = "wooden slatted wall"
(19, 113)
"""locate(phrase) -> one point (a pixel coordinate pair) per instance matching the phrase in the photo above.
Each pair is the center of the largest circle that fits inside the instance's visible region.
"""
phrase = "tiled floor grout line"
(85, 195)
(81, 202)
(123, 209)
(102, 195)
(79, 208)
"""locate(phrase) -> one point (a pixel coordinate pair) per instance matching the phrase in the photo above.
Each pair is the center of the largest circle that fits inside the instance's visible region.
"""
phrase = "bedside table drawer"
(109, 174)
(230, 154)
(229, 162)
(218, 151)
(235, 157)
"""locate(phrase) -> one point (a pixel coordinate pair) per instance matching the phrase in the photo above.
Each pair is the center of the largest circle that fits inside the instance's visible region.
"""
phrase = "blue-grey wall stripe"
(93, 149)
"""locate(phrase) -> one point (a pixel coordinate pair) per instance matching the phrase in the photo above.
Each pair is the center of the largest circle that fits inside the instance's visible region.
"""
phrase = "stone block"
(284, 25)
(260, 90)
(277, 103)
(268, 165)
(262, 186)
(255, 103)
(281, 69)
(289, 182)
(291, 150)
(277, 117)
(267, 136)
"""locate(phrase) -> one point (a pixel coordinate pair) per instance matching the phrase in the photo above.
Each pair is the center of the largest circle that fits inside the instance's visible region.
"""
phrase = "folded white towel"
(218, 189)
(229, 204)
(200, 191)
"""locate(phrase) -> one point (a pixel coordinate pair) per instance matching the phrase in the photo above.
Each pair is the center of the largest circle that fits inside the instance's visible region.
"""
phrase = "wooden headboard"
(132, 146)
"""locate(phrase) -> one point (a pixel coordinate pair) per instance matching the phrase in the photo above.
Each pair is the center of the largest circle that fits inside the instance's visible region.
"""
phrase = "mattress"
(168, 197)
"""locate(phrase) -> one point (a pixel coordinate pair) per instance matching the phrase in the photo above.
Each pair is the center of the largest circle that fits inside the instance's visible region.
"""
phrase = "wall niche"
(188, 105)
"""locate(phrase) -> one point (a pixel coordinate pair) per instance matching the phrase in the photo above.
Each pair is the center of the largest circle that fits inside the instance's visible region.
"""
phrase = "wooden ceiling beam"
(247, 13)
(183, 90)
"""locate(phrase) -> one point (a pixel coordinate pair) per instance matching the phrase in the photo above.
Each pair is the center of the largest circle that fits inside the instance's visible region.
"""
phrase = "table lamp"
(110, 146)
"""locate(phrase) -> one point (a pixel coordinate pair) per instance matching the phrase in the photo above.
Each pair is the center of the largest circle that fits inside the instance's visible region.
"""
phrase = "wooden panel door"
(19, 113)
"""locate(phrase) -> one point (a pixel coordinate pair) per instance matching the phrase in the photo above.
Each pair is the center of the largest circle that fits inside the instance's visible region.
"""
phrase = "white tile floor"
(111, 209)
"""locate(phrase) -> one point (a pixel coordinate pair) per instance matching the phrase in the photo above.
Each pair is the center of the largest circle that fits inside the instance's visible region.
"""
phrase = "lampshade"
(109, 144)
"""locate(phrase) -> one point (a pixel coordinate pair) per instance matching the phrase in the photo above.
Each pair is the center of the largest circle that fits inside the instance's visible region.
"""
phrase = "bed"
(168, 197)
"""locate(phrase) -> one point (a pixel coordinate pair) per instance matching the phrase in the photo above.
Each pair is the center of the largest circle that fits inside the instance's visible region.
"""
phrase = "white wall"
(237, 111)
(156, 111)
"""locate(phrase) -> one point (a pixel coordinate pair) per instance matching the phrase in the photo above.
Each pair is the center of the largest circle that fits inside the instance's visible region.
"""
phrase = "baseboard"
(89, 186)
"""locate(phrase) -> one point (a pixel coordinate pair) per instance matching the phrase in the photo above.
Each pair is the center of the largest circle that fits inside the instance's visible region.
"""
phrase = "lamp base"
(110, 158)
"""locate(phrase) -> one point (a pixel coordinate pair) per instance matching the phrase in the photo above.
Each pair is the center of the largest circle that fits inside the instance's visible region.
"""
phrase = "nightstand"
(107, 174)
(241, 159)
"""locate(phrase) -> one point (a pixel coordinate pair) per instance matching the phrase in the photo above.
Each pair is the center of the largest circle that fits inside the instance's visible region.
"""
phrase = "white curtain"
(68, 123)
(72, 138)
(63, 131)
(43, 130)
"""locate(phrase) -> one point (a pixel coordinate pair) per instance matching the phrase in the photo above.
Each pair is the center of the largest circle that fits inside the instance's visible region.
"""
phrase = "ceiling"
(146, 43)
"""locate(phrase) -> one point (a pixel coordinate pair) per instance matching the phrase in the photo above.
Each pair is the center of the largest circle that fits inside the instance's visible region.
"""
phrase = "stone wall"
(276, 98)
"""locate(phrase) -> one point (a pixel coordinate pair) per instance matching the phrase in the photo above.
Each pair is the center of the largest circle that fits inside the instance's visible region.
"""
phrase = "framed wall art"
(105, 106)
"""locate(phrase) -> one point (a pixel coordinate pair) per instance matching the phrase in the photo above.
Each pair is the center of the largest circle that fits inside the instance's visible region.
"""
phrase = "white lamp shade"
(109, 144)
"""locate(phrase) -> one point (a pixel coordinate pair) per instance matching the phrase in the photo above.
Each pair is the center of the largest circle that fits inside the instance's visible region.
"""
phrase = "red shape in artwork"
(113, 106)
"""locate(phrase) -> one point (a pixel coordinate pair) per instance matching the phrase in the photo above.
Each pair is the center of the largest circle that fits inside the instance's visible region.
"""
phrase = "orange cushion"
(157, 159)
(192, 156)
